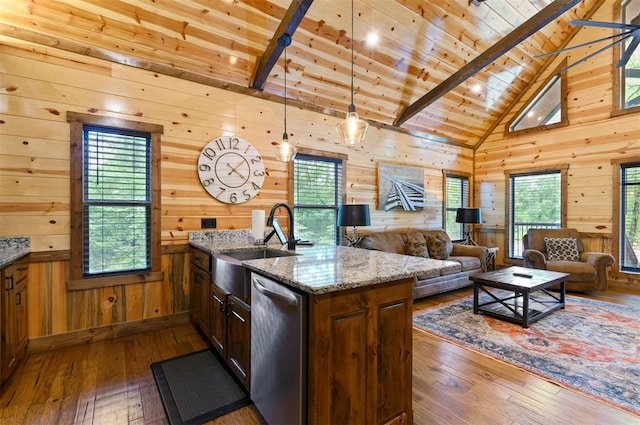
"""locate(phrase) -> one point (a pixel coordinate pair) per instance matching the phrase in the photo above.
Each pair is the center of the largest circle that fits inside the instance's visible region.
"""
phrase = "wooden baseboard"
(87, 336)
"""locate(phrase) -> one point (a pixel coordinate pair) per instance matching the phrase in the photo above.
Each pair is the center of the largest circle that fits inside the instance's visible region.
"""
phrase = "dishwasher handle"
(284, 298)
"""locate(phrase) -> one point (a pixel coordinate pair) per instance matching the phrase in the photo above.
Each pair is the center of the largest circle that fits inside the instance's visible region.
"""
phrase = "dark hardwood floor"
(111, 383)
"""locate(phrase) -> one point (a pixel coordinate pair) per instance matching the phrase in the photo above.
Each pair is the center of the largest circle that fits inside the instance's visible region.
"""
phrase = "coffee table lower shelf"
(516, 299)
(519, 308)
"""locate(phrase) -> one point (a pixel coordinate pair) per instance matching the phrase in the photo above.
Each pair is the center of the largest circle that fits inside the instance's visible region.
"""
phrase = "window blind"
(457, 196)
(317, 194)
(116, 201)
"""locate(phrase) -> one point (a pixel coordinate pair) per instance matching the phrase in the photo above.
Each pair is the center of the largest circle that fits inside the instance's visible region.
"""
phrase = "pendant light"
(352, 130)
(285, 151)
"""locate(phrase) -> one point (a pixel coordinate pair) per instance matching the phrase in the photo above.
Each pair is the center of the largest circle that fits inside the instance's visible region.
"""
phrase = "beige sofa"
(459, 261)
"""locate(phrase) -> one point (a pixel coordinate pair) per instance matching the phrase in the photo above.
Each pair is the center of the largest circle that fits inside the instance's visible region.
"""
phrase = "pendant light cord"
(351, 53)
(285, 90)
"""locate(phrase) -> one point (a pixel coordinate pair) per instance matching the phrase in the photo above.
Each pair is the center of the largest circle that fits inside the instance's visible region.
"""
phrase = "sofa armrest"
(534, 259)
(460, 250)
(600, 261)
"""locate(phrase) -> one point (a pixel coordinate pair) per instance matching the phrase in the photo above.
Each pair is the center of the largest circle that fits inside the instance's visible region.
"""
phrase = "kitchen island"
(359, 328)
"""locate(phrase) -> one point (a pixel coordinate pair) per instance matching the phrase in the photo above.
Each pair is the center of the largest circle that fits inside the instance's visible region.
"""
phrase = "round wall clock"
(231, 170)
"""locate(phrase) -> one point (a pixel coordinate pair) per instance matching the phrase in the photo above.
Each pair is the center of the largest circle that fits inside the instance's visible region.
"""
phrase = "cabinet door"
(199, 301)
(9, 346)
(20, 319)
(218, 319)
(239, 339)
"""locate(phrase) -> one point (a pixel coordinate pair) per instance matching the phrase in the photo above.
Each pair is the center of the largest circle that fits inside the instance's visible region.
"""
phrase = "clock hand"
(235, 169)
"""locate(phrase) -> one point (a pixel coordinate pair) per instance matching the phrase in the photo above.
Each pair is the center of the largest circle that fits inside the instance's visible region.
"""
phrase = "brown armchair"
(588, 273)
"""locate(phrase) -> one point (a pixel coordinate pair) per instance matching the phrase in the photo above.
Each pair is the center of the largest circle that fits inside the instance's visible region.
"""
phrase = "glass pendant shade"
(352, 130)
(285, 151)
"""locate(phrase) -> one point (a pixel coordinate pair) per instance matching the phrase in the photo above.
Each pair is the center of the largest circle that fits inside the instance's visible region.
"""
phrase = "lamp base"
(354, 240)
(468, 240)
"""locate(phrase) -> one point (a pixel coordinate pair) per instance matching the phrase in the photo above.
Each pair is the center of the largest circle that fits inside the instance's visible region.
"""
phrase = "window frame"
(617, 165)
(78, 281)
(563, 170)
(446, 174)
(544, 87)
(333, 156)
(618, 73)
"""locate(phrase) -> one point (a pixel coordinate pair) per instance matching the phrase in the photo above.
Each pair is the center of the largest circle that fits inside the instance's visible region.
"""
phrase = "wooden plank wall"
(588, 145)
(39, 84)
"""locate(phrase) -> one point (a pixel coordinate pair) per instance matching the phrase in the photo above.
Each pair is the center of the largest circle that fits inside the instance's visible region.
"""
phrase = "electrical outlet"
(208, 223)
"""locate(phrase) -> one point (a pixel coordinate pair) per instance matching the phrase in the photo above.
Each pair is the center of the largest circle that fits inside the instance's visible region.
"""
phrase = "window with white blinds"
(116, 201)
(317, 194)
(535, 202)
(456, 196)
(630, 217)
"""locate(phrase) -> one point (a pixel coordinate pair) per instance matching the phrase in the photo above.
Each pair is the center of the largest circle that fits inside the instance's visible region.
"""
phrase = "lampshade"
(285, 151)
(468, 215)
(353, 215)
(352, 130)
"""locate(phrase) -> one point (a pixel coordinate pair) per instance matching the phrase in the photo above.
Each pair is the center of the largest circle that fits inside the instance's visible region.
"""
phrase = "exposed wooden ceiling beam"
(288, 25)
(533, 24)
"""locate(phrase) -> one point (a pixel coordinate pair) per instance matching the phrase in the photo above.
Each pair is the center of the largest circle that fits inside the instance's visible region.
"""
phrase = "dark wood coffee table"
(518, 294)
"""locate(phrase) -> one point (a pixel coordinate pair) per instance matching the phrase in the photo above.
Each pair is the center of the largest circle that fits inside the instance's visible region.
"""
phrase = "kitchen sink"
(230, 275)
(255, 254)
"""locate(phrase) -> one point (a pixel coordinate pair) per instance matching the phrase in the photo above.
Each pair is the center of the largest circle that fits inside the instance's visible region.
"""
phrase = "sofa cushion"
(415, 245)
(579, 272)
(450, 267)
(562, 249)
(384, 241)
(467, 263)
(438, 246)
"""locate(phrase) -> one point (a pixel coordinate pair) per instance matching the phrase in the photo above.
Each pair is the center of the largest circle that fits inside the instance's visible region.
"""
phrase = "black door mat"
(196, 388)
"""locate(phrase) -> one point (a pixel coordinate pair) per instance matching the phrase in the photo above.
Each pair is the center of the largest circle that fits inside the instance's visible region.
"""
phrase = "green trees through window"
(535, 202)
(116, 201)
(630, 217)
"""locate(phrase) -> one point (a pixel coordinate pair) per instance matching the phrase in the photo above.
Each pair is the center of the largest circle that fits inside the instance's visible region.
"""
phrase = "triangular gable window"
(547, 109)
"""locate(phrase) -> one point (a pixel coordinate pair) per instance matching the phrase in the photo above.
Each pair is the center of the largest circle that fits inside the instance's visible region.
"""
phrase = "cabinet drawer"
(201, 259)
(16, 274)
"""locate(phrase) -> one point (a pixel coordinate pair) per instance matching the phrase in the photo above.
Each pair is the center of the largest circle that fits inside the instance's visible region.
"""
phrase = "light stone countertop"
(328, 268)
(12, 249)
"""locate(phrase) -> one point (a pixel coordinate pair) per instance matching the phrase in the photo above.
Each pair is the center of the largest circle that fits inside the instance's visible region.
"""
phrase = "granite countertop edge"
(13, 248)
(352, 267)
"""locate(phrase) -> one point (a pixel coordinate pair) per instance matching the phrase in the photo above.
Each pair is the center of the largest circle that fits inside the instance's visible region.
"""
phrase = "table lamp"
(468, 217)
(353, 215)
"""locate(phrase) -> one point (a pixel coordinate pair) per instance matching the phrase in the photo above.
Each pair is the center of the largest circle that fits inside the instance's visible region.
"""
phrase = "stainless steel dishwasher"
(278, 352)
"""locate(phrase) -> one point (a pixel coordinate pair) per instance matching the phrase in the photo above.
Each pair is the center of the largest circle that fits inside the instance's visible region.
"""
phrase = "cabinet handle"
(9, 287)
(19, 298)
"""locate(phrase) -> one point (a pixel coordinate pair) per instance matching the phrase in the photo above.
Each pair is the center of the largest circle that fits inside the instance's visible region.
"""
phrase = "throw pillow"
(415, 247)
(562, 249)
(437, 246)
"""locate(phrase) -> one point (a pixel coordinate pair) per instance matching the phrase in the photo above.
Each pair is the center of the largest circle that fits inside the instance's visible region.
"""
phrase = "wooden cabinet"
(199, 281)
(230, 332)
(239, 338)
(218, 319)
(224, 318)
(360, 355)
(13, 315)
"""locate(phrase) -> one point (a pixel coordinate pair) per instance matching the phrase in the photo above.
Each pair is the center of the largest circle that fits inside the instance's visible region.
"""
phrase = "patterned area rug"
(592, 347)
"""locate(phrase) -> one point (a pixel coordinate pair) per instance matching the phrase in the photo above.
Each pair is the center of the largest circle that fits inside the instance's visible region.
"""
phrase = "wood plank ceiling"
(422, 43)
